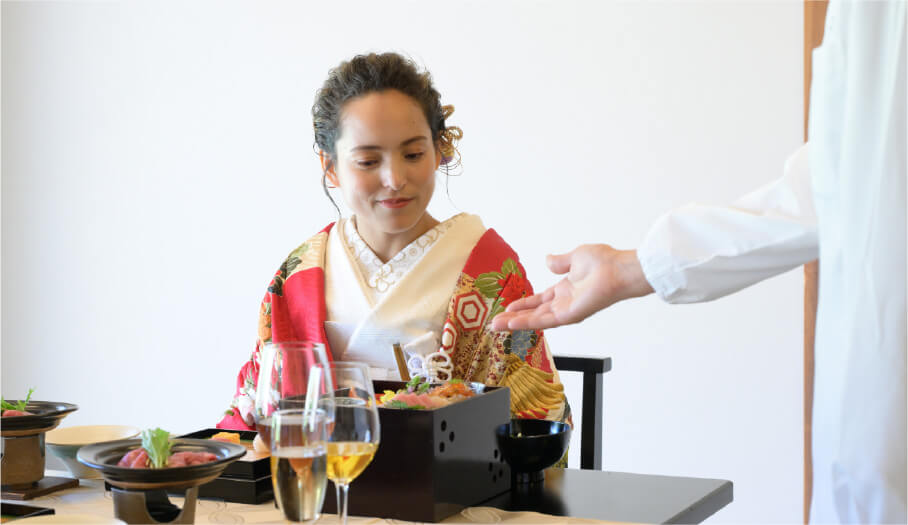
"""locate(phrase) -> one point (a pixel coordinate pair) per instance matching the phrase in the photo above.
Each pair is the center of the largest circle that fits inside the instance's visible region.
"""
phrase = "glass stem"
(342, 498)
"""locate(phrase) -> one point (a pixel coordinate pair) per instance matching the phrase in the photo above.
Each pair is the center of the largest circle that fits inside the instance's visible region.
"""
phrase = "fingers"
(559, 263)
(538, 319)
(500, 321)
(532, 301)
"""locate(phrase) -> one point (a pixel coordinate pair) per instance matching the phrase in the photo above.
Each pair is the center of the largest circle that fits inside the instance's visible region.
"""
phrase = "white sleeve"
(698, 253)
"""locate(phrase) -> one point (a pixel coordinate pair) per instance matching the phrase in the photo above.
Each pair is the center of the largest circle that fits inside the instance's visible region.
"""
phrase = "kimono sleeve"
(239, 415)
(529, 371)
(521, 360)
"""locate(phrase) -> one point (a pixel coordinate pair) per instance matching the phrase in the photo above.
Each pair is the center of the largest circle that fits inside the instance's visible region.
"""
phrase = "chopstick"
(401, 363)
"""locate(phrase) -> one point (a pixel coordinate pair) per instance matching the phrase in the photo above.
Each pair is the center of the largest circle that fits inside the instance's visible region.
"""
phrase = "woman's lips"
(395, 203)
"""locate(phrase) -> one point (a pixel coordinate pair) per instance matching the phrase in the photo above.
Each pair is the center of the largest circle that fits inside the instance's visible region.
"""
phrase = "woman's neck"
(387, 245)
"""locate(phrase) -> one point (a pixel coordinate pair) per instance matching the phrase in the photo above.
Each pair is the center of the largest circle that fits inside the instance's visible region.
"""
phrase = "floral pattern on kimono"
(287, 313)
(491, 280)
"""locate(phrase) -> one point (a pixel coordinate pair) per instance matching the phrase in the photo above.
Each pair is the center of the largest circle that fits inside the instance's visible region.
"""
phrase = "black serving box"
(246, 480)
(431, 464)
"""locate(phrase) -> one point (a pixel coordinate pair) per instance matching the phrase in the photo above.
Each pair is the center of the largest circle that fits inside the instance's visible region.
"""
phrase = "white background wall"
(157, 167)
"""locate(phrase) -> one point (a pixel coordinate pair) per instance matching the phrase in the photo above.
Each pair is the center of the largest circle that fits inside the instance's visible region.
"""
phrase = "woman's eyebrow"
(414, 139)
(372, 147)
(365, 147)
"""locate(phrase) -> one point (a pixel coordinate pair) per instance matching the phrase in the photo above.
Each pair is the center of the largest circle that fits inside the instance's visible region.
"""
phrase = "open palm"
(597, 277)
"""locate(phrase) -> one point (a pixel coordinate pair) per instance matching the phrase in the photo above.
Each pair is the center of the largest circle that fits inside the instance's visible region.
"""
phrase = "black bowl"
(531, 446)
(44, 416)
(104, 457)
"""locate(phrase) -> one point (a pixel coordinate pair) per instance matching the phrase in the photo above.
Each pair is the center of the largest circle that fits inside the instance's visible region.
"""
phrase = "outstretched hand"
(598, 276)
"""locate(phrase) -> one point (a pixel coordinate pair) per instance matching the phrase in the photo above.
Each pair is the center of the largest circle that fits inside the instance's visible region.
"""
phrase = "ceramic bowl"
(105, 456)
(532, 445)
(66, 442)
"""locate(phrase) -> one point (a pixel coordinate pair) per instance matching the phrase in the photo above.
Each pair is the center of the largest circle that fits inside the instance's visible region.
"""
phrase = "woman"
(392, 273)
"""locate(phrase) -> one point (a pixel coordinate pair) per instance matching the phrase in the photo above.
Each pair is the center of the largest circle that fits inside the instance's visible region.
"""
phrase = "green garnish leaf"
(414, 381)
(400, 405)
(455, 380)
(20, 405)
(157, 443)
(423, 388)
(23, 404)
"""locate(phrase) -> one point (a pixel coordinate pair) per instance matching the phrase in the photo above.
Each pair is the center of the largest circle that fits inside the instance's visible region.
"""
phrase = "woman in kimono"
(392, 273)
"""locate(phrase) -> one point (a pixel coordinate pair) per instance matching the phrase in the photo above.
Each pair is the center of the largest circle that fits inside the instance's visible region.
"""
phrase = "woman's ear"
(328, 168)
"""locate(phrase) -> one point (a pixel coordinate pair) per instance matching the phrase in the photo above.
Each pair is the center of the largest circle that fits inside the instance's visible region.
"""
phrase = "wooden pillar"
(814, 20)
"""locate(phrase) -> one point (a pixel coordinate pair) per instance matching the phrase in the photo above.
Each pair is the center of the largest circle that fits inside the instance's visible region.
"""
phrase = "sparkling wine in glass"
(354, 434)
(298, 461)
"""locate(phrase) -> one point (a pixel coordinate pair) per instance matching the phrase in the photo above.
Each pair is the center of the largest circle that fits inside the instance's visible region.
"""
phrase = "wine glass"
(298, 463)
(292, 376)
(285, 379)
(353, 438)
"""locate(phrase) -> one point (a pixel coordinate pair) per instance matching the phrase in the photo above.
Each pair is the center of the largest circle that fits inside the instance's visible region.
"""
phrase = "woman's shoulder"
(491, 250)
(312, 245)
(310, 254)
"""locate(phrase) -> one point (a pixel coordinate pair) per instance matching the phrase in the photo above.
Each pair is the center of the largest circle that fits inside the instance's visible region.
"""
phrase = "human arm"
(691, 254)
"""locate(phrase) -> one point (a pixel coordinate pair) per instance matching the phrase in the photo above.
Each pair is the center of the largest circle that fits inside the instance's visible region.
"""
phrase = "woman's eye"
(365, 164)
(415, 156)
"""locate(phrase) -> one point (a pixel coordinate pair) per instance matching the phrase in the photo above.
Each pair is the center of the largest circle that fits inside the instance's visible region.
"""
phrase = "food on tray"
(422, 395)
(227, 437)
(11, 410)
(155, 453)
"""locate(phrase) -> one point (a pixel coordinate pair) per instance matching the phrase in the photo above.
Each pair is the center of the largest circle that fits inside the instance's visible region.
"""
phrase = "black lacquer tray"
(246, 480)
(45, 415)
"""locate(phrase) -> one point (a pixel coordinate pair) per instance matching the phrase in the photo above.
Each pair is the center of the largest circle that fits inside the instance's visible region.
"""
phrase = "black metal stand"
(152, 506)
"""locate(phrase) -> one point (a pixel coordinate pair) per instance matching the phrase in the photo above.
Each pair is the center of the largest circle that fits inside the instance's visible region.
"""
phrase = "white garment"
(409, 300)
(378, 276)
(699, 253)
(857, 184)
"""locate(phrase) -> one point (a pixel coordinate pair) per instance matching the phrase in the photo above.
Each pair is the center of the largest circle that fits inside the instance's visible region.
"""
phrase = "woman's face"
(385, 163)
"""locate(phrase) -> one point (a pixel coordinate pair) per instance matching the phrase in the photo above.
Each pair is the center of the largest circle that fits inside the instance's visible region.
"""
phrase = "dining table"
(566, 496)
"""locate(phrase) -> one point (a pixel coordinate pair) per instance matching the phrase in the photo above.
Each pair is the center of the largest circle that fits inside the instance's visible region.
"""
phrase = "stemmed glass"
(353, 439)
(293, 411)
(298, 461)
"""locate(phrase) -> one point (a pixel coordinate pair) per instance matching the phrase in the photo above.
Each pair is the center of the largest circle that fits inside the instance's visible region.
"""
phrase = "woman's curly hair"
(371, 73)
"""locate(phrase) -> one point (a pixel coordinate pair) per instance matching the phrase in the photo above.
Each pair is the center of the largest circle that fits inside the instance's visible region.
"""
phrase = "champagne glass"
(298, 463)
(353, 438)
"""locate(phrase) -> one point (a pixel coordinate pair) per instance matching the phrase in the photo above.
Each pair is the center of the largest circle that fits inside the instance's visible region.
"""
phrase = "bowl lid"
(44, 414)
(104, 457)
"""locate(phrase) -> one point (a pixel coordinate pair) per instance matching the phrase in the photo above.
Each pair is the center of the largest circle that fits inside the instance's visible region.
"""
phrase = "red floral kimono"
(294, 308)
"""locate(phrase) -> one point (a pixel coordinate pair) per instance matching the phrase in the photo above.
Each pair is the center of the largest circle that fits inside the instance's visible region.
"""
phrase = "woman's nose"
(394, 176)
